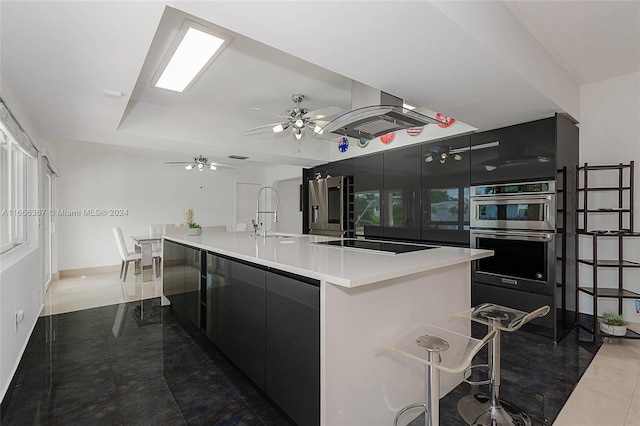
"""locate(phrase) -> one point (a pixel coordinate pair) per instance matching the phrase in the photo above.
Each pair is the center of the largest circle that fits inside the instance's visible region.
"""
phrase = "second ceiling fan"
(300, 120)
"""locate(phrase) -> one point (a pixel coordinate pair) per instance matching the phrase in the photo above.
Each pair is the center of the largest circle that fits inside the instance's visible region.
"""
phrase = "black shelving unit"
(616, 209)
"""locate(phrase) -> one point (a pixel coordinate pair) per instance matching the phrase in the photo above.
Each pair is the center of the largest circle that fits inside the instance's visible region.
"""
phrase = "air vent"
(237, 157)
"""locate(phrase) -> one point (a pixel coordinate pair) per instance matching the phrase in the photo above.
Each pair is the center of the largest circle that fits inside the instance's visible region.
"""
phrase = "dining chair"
(126, 255)
(157, 231)
(171, 229)
(210, 229)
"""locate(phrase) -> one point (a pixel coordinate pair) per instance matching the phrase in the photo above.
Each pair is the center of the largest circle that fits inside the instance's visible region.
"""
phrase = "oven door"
(536, 212)
(522, 260)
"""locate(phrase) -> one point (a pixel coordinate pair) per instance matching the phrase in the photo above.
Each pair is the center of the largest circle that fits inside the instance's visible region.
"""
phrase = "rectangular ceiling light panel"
(197, 49)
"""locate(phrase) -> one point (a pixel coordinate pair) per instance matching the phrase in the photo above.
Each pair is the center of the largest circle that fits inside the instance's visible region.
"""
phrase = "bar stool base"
(476, 410)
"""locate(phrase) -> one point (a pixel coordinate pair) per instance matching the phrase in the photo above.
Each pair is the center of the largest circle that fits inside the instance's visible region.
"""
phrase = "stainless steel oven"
(522, 260)
(526, 206)
(518, 222)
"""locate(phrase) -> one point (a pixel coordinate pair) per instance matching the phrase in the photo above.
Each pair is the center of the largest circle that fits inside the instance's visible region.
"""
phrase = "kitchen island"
(366, 299)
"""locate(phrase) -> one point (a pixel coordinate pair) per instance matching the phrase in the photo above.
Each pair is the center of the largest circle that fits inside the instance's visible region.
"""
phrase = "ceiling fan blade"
(265, 127)
(223, 166)
(324, 112)
(271, 113)
(177, 163)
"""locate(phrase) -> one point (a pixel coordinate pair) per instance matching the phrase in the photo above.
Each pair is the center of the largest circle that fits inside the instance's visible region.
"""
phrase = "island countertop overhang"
(340, 266)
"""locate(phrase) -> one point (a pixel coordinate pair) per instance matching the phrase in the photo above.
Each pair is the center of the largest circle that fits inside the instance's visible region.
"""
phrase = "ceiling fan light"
(317, 129)
(277, 129)
(213, 167)
(200, 166)
(457, 157)
(428, 158)
(299, 123)
(298, 133)
(189, 167)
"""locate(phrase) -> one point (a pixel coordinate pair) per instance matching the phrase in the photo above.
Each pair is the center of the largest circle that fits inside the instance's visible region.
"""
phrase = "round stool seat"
(432, 343)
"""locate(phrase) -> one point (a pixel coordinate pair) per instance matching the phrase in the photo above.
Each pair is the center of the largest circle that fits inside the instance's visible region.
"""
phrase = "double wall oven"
(518, 222)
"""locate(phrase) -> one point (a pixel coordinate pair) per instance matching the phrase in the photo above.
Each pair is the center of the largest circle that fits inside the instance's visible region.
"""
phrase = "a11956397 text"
(65, 212)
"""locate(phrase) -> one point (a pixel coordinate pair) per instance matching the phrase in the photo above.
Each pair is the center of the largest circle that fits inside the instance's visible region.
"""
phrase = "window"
(13, 192)
(445, 208)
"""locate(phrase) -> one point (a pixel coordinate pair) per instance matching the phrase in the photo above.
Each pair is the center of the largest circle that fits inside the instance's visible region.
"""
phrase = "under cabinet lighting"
(197, 49)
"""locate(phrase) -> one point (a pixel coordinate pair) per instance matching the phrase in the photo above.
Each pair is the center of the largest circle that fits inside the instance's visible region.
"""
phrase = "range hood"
(371, 121)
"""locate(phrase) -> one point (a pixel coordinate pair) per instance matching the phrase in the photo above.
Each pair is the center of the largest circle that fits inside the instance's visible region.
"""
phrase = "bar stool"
(438, 349)
(480, 409)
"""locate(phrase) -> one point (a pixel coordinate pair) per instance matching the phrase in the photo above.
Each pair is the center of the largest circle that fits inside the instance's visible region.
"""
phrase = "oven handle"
(510, 199)
(532, 236)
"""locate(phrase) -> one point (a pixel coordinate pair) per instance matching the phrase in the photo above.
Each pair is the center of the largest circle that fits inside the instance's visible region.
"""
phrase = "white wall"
(610, 134)
(148, 191)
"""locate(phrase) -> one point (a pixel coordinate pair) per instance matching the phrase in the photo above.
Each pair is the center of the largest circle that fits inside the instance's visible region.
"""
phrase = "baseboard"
(55, 276)
(67, 273)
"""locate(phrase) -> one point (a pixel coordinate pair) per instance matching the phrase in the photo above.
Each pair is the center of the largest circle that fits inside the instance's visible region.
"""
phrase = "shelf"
(603, 263)
(610, 292)
(630, 333)
(611, 233)
(613, 210)
(605, 167)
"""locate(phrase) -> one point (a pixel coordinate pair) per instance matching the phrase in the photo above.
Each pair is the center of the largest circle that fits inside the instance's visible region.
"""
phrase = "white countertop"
(341, 266)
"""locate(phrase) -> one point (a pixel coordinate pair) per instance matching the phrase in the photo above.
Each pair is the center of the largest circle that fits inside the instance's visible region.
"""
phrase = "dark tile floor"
(129, 364)
(134, 364)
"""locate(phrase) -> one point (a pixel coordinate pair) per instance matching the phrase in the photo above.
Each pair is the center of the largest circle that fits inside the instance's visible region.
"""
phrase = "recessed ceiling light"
(197, 47)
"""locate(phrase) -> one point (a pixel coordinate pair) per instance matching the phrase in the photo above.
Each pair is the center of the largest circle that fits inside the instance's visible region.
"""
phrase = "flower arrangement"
(188, 219)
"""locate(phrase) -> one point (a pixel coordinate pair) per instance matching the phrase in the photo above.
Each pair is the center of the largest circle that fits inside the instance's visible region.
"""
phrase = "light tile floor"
(91, 291)
(608, 394)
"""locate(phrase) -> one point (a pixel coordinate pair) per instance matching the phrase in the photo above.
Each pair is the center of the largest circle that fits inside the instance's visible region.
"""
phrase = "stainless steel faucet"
(259, 212)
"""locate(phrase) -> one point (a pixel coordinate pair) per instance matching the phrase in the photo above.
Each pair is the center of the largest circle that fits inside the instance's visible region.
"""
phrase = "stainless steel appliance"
(387, 247)
(518, 222)
(327, 206)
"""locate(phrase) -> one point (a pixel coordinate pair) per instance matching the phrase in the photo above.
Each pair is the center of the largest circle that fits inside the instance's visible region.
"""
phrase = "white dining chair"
(126, 255)
(211, 229)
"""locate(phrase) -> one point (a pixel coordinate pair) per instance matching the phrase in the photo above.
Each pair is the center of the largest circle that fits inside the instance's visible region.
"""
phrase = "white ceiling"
(487, 64)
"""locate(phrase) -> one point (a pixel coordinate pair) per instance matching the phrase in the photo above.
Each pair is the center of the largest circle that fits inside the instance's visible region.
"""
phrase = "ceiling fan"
(298, 119)
(199, 163)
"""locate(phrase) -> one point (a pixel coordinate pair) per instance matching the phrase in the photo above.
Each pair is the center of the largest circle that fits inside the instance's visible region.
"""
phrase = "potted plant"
(613, 324)
(193, 229)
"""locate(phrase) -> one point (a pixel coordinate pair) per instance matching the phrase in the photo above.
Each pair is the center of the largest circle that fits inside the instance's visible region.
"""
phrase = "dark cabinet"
(218, 297)
(181, 281)
(523, 152)
(445, 191)
(191, 280)
(368, 185)
(247, 320)
(293, 346)
(335, 168)
(402, 193)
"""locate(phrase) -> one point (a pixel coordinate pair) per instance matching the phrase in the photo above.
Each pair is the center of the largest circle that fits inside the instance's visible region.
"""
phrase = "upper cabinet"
(402, 193)
(523, 152)
(445, 191)
(367, 185)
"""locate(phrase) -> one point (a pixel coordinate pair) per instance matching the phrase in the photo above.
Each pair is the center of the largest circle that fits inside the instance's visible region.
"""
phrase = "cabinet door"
(293, 347)
(336, 168)
(192, 285)
(402, 195)
(445, 191)
(368, 186)
(167, 269)
(247, 332)
(177, 268)
(218, 301)
(523, 152)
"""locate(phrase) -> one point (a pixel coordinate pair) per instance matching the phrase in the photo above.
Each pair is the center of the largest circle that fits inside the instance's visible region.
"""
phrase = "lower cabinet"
(181, 281)
(247, 320)
(268, 323)
(293, 347)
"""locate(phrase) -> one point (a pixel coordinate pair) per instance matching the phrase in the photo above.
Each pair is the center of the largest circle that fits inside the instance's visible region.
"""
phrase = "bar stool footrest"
(467, 378)
(411, 407)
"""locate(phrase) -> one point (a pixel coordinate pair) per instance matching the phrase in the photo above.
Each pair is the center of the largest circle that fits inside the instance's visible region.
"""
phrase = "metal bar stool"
(480, 409)
(438, 349)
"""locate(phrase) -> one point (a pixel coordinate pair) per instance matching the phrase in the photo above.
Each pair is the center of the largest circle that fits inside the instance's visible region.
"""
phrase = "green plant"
(193, 225)
(611, 318)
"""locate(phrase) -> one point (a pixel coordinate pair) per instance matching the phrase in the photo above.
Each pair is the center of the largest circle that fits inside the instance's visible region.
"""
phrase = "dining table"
(144, 245)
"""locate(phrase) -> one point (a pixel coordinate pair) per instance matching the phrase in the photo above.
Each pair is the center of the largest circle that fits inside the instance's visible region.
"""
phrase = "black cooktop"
(384, 246)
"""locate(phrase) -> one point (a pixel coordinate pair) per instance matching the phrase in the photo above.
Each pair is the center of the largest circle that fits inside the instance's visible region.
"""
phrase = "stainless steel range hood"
(371, 121)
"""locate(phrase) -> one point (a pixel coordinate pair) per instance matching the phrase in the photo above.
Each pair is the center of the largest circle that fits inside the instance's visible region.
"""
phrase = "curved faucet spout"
(274, 211)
